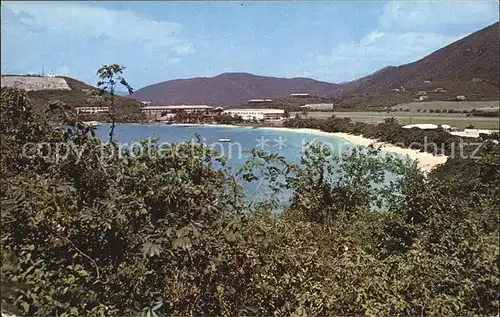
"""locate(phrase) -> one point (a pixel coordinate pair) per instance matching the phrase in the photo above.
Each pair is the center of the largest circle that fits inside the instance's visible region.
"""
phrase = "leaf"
(151, 249)
(26, 307)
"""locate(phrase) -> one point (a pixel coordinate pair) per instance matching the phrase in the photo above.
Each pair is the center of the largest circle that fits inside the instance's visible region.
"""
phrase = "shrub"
(172, 233)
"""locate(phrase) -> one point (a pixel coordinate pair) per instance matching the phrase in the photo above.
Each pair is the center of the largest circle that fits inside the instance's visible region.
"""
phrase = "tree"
(173, 233)
(110, 76)
(286, 114)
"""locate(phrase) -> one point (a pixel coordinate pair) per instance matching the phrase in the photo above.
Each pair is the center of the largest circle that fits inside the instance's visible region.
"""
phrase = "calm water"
(287, 143)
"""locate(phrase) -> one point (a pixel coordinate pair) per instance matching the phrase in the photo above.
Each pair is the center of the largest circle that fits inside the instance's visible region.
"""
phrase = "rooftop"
(171, 107)
(256, 110)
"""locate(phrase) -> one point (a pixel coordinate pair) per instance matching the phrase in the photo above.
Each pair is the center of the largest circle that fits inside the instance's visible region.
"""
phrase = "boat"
(224, 140)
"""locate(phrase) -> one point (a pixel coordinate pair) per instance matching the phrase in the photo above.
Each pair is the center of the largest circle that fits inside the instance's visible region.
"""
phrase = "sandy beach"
(426, 161)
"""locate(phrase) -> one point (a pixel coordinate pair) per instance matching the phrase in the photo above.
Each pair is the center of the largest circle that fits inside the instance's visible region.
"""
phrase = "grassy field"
(462, 105)
(455, 120)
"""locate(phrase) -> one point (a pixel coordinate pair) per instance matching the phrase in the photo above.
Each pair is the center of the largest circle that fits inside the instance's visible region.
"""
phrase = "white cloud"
(425, 15)
(348, 61)
(74, 38)
(406, 33)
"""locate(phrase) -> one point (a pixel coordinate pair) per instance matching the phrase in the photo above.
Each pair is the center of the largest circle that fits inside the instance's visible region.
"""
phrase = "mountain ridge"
(230, 89)
(468, 66)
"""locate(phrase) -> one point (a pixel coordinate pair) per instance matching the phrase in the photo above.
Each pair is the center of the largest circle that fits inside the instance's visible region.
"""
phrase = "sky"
(333, 41)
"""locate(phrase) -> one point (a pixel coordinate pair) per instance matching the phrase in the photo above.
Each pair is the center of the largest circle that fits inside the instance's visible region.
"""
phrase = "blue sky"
(333, 41)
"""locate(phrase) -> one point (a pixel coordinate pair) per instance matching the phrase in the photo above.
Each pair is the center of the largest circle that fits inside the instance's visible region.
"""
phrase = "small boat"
(224, 140)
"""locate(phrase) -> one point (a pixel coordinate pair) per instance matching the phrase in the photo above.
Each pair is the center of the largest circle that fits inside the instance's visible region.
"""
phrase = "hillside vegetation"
(230, 89)
(78, 96)
(171, 233)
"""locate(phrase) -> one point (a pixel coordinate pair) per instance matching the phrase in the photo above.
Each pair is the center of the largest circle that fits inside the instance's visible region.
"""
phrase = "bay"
(289, 144)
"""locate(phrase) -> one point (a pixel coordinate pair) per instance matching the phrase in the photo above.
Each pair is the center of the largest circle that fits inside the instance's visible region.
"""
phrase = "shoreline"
(426, 161)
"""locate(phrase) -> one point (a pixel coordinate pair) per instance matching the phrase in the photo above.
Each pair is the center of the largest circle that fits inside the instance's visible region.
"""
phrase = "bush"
(172, 233)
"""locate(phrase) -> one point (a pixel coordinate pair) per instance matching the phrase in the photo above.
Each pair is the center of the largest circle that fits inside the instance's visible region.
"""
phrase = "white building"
(300, 95)
(318, 106)
(92, 110)
(158, 110)
(259, 100)
(423, 126)
(257, 114)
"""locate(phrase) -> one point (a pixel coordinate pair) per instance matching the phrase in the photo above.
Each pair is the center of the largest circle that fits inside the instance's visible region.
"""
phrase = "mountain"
(475, 56)
(469, 67)
(231, 89)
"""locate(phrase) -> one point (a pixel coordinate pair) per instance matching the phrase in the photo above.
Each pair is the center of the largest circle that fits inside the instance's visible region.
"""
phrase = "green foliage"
(437, 142)
(171, 232)
(109, 78)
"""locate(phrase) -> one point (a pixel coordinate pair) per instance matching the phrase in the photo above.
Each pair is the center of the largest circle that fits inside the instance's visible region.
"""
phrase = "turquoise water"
(287, 143)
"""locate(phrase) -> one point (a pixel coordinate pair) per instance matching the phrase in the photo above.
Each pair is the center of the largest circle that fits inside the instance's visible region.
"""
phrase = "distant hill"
(231, 89)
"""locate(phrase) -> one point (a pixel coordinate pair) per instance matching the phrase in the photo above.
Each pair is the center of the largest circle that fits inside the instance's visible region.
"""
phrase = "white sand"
(426, 161)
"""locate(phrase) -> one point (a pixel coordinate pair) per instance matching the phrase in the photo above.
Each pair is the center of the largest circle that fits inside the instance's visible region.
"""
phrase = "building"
(156, 111)
(423, 126)
(259, 100)
(318, 106)
(91, 110)
(300, 95)
(257, 114)
(146, 102)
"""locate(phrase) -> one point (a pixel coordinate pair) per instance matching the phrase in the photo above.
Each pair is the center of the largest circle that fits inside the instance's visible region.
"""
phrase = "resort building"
(300, 95)
(423, 126)
(257, 114)
(157, 111)
(318, 106)
(259, 100)
(92, 110)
